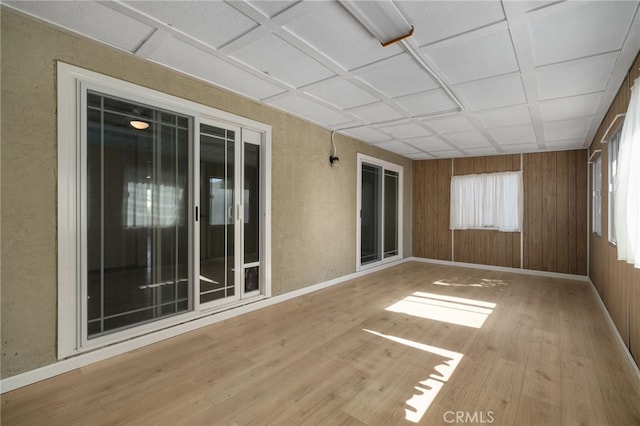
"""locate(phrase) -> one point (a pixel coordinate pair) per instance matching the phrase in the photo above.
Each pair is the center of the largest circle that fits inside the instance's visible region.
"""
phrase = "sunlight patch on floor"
(481, 283)
(427, 389)
(454, 310)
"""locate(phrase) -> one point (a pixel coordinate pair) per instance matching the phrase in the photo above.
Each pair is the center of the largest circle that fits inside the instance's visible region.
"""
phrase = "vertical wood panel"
(617, 293)
(572, 192)
(549, 201)
(431, 184)
(581, 212)
(562, 212)
(533, 209)
(444, 199)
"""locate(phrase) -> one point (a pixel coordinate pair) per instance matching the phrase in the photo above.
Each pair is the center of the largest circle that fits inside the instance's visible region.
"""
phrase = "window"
(379, 206)
(596, 187)
(487, 201)
(162, 210)
(613, 146)
(627, 191)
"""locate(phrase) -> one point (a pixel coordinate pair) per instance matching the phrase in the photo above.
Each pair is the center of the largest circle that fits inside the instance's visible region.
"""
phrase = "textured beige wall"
(313, 205)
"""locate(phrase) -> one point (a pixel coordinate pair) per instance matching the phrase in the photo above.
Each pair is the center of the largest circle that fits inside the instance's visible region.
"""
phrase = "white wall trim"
(612, 326)
(86, 358)
(502, 269)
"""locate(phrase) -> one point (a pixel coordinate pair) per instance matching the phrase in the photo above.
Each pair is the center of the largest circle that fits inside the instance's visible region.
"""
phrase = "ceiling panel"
(575, 77)
(450, 124)
(438, 20)
(429, 143)
(466, 140)
(427, 103)
(273, 56)
(493, 92)
(341, 93)
(448, 154)
(513, 134)
(367, 134)
(297, 105)
(193, 61)
(328, 27)
(482, 151)
(91, 19)
(272, 8)
(586, 29)
(398, 147)
(214, 23)
(376, 113)
(568, 129)
(567, 108)
(514, 115)
(538, 4)
(522, 147)
(565, 144)
(405, 130)
(397, 76)
(419, 156)
(474, 58)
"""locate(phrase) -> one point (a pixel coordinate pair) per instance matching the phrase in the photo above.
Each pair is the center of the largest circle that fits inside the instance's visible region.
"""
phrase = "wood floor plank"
(413, 343)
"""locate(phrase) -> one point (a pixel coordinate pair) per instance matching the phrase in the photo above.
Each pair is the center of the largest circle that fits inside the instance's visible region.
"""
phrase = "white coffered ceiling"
(531, 75)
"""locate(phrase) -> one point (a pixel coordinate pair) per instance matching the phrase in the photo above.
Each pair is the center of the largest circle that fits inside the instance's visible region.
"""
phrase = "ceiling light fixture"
(140, 125)
(382, 19)
(385, 21)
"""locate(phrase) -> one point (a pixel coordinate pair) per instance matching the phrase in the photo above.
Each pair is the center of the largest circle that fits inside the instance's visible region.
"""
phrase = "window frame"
(384, 165)
(596, 196)
(613, 147)
(72, 85)
(489, 192)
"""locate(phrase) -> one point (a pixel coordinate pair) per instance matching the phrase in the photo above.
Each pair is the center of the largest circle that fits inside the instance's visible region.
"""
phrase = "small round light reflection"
(140, 125)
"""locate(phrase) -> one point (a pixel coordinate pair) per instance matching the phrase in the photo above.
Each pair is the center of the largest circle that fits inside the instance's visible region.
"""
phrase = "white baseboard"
(81, 360)
(502, 269)
(612, 326)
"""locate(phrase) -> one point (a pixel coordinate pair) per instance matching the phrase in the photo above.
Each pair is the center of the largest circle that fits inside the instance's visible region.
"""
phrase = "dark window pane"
(137, 235)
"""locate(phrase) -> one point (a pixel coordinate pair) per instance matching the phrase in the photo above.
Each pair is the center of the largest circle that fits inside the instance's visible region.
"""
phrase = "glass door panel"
(370, 214)
(252, 218)
(217, 223)
(136, 206)
(391, 189)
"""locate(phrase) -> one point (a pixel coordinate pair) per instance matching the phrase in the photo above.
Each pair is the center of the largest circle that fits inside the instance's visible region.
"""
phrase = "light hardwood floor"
(420, 342)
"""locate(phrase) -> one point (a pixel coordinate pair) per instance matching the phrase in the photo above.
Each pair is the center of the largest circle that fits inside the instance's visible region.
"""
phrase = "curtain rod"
(593, 154)
(605, 137)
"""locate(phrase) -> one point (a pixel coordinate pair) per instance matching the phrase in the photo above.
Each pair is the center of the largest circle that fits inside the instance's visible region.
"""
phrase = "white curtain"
(627, 195)
(493, 200)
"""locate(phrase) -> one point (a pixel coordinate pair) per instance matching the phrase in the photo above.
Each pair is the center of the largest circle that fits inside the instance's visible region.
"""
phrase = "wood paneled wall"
(617, 282)
(555, 219)
(431, 234)
(555, 216)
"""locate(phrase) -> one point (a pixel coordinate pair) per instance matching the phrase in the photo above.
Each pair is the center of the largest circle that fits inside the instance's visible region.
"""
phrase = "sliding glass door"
(229, 213)
(379, 220)
(137, 232)
(139, 249)
(163, 211)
